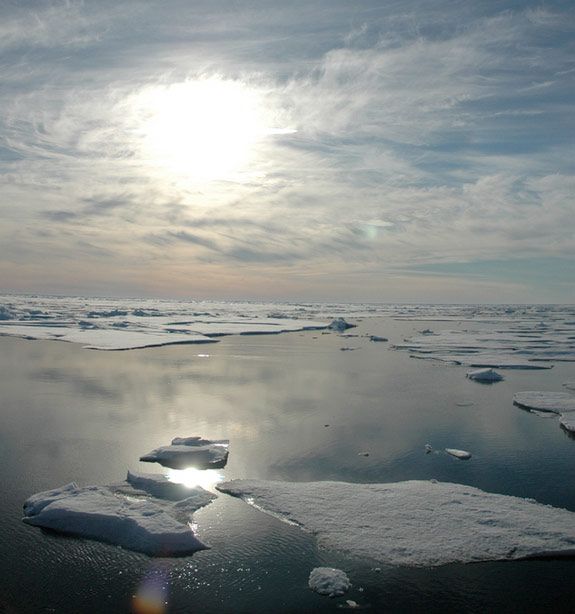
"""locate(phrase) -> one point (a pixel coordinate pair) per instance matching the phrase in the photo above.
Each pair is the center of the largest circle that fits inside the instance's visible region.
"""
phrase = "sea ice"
(556, 402)
(96, 512)
(461, 454)
(339, 324)
(569, 385)
(161, 487)
(415, 523)
(485, 375)
(190, 452)
(329, 581)
(567, 421)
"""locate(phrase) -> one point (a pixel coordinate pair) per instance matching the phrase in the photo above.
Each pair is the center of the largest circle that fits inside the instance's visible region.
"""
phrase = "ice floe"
(415, 523)
(190, 452)
(102, 513)
(460, 454)
(567, 421)
(556, 402)
(485, 375)
(329, 581)
(539, 402)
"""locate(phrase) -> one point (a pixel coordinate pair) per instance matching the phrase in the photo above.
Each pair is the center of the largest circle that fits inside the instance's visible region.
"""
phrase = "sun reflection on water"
(191, 477)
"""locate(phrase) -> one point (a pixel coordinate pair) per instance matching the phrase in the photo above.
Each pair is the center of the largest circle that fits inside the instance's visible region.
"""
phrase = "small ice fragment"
(461, 454)
(426, 331)
(377, 338)
(485, 375)
(339, 324)
(329, 581)
(352, 604)
(428, 448)
(363, 454)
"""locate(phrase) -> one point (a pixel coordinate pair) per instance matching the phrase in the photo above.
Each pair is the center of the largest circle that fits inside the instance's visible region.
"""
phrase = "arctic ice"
(415, 523)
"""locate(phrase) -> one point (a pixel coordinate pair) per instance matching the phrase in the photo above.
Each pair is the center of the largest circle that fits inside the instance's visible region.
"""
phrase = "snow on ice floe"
(190, 452)
(460, 454)
(556, 402)
(105, 324)
(516, 341)
(484, 375)
(150, 526)
(539, 402)
(329, 581)
(415, 523)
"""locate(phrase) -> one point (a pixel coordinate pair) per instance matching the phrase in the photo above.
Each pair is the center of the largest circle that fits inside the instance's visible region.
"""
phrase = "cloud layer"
(406, 144)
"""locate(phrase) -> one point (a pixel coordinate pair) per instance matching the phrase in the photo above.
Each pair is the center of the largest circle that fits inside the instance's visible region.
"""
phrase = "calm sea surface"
(77, 415)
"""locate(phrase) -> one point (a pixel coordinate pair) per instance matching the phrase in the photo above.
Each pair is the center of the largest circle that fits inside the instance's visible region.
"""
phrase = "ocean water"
(70, 414)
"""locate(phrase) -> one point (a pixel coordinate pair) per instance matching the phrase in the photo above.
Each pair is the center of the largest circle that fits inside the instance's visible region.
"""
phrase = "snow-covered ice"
(485, 375)
(190, 452)
(567, 421)
(461, 454)
(556, 402)
(100, 513)
(329, 581)
(415, 523)
(161, 487)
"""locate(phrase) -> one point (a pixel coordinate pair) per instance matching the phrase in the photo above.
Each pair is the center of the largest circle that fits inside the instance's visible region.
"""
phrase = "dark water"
(75, 415)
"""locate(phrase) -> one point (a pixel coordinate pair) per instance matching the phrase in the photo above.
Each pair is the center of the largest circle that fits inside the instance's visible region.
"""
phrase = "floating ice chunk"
(329, 581)
(428, 448)
(461, 454)
(190, 452)
(95, 512)
(161, 487)
(486, 360)
(415, 523)
(485, 375)
(377, 338)
(339, 324)
(426, 331)
(556, 402)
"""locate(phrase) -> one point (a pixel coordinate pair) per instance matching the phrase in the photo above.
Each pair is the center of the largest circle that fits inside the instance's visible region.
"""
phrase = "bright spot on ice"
(192, 477)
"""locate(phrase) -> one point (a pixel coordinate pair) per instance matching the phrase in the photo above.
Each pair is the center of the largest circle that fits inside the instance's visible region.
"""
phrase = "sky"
(384, 151)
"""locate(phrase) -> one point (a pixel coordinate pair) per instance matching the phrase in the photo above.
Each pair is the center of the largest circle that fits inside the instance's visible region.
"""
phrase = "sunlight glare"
(191, 477)
(203, 129)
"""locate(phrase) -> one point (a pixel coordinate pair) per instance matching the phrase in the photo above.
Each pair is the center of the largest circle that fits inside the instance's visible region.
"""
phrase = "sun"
(202, 130)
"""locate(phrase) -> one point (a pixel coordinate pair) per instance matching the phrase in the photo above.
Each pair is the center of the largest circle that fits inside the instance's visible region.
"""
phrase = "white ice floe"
(415, 523)
(329, 581)
(484, 375)
(556, 402)
(339, 324)
(461, 454)
(190, 452)
(97, 512)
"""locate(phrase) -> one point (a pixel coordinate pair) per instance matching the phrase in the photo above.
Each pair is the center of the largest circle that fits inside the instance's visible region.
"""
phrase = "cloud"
(427, 133)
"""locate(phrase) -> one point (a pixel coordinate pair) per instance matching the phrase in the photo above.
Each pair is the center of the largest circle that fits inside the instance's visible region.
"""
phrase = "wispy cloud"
(419, 134)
